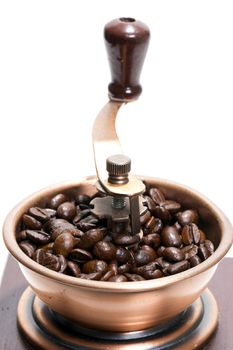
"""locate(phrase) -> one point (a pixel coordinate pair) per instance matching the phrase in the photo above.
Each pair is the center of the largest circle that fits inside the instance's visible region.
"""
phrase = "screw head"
(118, 167)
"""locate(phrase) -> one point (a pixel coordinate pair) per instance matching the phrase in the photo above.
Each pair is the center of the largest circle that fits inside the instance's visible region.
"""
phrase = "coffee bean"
(141, 270)
(150, 204)
(188, 216)
(171, 206)
(73, 268)
(145, 255)
(113, 267)
(160, 251)
(157, 196)
(82, 199)
(80, 255)
(173, 254)
(63, 244)
(178, 267)
(134, 277)
(189, 251)
(194, 260)
(177, 226)
(124, 268)
(107, 275)
(90, 238)
(38, 237)
(39, 214)
(118, 278)
(47, 259)
(31, 223)
(95, 266)
(21, 236)
(125, 239)
(95, 276)
(163, 214)
(28, 248)
(48, 247)
(145, 217)
(58, 226)
(170, 237)
(152, 274)
(67, 211)
(190, 234)
(202, 235)
(63, 263)
(57, 200)
(104, 250)
(152, 240)
(162, 263)
(81, 214)
(205, 249)
(87, 223)
(122, 255)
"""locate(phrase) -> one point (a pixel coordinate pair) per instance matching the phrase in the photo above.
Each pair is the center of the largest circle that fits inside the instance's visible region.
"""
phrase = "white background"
(53, 80)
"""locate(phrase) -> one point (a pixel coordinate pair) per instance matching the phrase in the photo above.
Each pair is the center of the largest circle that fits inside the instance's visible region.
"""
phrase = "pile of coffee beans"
(66, 237)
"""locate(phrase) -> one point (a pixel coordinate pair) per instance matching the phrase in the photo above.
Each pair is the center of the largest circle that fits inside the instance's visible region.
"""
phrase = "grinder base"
(44, 329)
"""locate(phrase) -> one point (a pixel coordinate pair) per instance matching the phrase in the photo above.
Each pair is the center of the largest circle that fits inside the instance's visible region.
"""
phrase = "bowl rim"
(15, 214)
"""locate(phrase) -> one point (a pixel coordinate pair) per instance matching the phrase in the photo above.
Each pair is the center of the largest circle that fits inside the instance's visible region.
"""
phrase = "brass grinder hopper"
(126, 42)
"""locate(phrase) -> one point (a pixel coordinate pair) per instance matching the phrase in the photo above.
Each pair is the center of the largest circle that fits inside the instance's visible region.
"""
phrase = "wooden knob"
(126, 41)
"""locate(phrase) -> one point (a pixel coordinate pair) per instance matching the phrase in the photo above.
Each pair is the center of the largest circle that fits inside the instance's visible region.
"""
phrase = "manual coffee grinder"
(176, 312)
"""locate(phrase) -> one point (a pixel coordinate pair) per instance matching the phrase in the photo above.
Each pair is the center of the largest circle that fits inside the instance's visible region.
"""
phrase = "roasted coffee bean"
(48, 247)
(107, 275)
(95, 276)
(178, 267)
(95, 266)
(125, 239)
(112, 266)
(63, 263)
(202, 235)
(81, 214)
(189, 251)
(31, 223)
(186, 217)
(177, 226)
(195, 260)
(67, 211)
(46, 259)
(145, 217)
(173, 254)
(124, 268)
(205, 249)
(144, 256)
(163, 214)
(150, 224)
(28, 248)
(160, 250)
(57, 200)
(104, 250)
(150, 204)
(21, 236)
(170, 237)
(58, 226)
(140, 270)
(38, 237)
(171, 206)
(134, 277)
(63, 244)
(158, 226)
(157, 196)
(152, 274)
(118, 278)
(39, 214)
(87, 223)
(152, 240)
(82, 199)
(73, 269)
(162, 263)
(190, 234)
(90, 238)
(80, 255)
(122, 255)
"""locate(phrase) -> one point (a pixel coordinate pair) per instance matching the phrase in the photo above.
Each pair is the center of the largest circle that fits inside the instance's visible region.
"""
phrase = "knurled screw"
(118, 167)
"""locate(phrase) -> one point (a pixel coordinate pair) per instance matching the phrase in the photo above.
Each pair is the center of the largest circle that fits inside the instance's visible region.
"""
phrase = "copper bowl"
(128, 306)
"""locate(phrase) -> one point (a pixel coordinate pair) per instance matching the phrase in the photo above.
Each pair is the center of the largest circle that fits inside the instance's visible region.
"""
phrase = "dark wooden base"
(13, 285)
